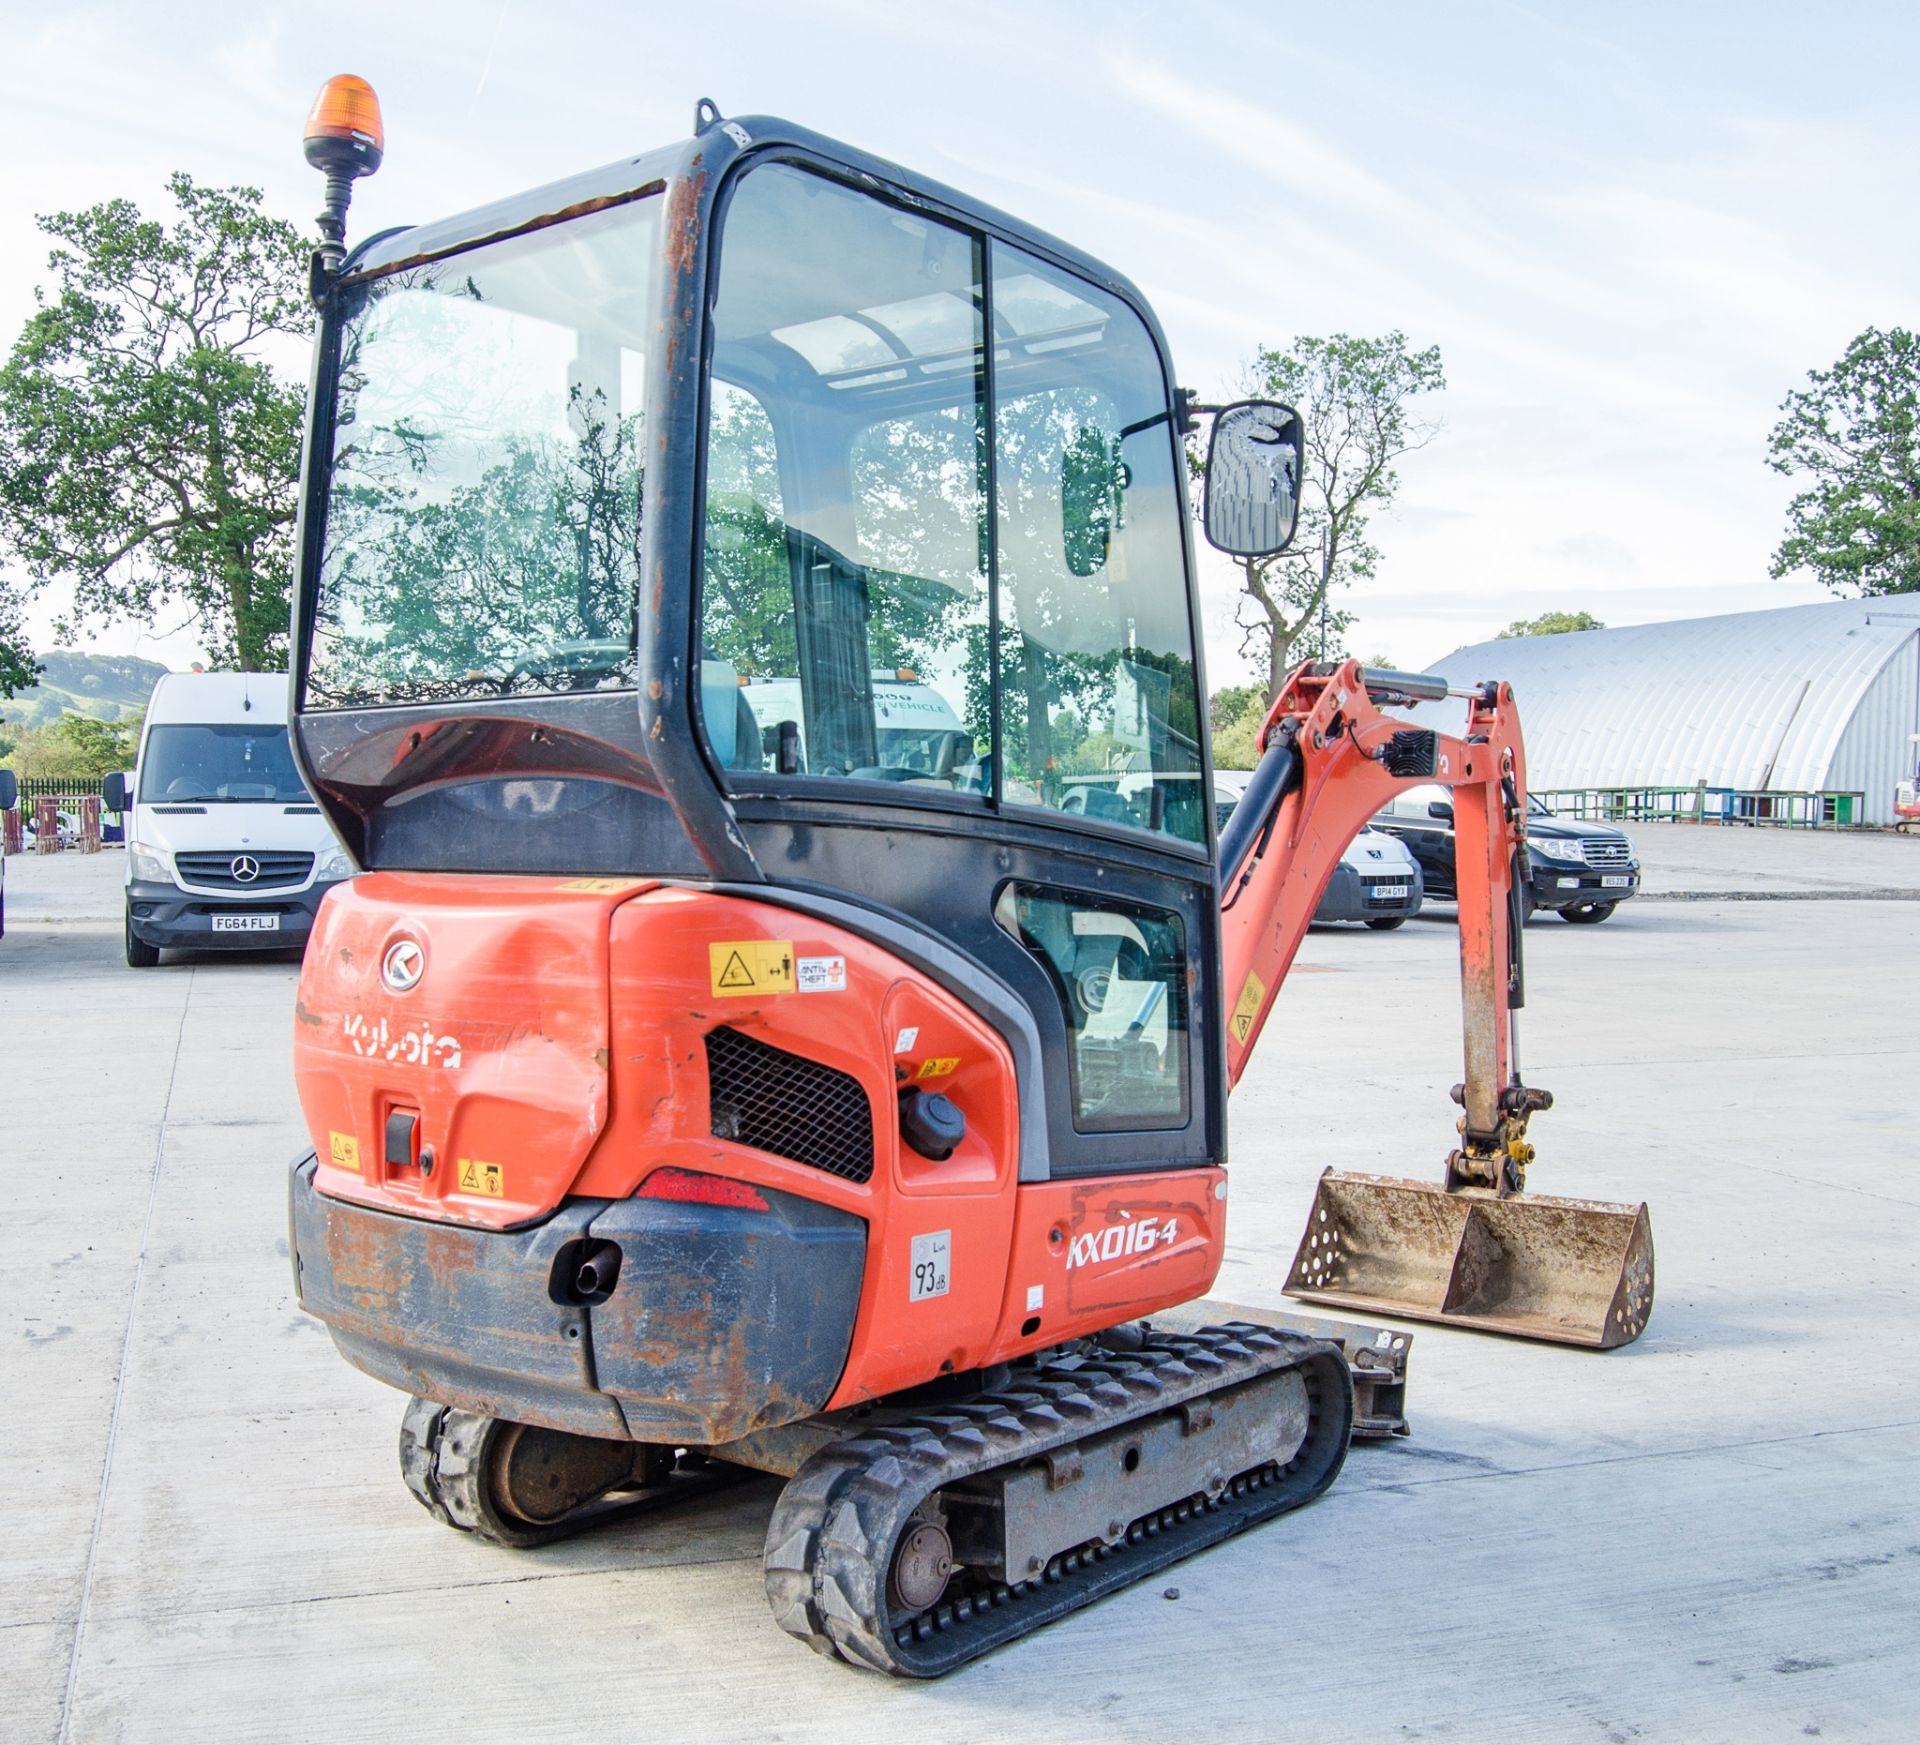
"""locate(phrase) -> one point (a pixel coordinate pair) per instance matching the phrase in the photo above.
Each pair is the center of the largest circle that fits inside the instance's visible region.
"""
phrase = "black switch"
(403, 1127)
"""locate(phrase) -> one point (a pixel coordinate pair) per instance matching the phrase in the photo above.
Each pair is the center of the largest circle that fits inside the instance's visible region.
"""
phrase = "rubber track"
(443, 1458)
(835, 1526)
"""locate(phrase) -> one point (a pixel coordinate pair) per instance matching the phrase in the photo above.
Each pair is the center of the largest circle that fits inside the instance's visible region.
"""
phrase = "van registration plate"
(246, 923)
(1615, 881)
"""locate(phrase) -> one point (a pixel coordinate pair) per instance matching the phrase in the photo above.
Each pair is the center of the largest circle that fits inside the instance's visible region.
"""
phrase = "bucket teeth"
(1575, 1272)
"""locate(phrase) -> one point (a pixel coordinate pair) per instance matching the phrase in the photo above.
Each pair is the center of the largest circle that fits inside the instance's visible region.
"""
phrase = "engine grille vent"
(1606, 850)
(788, 1105)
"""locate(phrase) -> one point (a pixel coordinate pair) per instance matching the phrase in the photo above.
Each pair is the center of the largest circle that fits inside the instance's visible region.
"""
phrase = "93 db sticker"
(932, 1265)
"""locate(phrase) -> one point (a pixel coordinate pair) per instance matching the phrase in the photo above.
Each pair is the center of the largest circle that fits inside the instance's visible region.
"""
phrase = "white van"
(917, 736)
(225, 847)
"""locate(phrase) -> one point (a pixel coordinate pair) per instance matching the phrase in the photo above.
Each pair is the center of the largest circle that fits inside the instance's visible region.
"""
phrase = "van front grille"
(243, 869)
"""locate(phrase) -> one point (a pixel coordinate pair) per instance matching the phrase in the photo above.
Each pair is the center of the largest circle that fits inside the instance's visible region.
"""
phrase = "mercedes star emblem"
(403, 966)
(245, 869)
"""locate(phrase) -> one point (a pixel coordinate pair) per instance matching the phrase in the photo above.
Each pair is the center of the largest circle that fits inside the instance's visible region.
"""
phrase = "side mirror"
(1253, 478)
(113, 792)
(9, 790)
(1440, 809)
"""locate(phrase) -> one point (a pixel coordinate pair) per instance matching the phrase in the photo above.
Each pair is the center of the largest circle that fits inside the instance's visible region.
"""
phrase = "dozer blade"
(1577, 1272)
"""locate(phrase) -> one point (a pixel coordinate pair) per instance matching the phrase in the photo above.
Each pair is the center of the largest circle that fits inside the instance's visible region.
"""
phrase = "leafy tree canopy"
(1236, 736)
(1551, 624)
(74, 746)
(1853, 436)
(1357, 397)
(1230, 702)
(148, 451)
(18, 668)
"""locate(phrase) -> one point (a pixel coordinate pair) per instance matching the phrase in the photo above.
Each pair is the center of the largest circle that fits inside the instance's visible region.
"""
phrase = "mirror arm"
(1191, 408)
(1141, 424)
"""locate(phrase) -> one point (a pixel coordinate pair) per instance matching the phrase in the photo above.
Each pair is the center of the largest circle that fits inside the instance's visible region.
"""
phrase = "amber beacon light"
(344, 139)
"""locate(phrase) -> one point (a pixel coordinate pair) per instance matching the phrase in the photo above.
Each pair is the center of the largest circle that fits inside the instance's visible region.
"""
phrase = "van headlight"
(336, 863)
(150, 864)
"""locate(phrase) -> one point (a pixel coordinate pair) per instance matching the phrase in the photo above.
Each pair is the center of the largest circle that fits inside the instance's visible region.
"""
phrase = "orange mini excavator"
(746, 628)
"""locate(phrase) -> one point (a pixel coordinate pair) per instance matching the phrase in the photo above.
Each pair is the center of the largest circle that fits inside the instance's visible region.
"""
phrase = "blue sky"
(1630, 229)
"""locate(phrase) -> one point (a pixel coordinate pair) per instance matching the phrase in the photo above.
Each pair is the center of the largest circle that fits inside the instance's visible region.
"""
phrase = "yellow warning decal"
(939, 1066)
(599, 887)
(343, 1151)
(1252, 997)
(751, 966)
(482, 1178)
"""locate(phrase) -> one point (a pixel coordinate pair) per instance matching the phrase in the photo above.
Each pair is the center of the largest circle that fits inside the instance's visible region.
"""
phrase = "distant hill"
(103, 685)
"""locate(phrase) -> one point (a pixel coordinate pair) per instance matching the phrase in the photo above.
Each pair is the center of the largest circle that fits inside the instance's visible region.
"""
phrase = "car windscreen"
(226, 764)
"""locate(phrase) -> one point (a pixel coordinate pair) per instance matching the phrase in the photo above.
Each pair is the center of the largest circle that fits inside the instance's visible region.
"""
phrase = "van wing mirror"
(1252, 497)
(113, 792)
(1440, 809)
(9, 790)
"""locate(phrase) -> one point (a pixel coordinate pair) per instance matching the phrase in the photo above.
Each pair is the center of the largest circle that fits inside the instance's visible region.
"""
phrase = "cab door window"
(844, 582)
(1100, 713)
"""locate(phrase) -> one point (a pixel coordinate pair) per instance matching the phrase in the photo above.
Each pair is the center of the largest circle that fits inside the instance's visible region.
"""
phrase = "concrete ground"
(1711, 1535)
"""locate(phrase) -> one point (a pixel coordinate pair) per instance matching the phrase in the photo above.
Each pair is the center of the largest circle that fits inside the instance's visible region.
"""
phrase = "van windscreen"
(205, 764)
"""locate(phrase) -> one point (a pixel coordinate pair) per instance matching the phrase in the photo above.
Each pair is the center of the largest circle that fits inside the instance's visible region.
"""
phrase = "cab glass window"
(844, 600)
(483, 488)
(1100, 714)
(849, 546)
(1120, 971)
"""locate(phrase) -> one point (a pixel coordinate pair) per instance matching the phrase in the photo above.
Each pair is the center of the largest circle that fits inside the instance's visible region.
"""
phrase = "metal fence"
(59, 787)
(1794, 809)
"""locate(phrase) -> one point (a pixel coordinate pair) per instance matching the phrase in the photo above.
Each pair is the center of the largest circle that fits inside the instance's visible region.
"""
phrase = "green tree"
(1236, 738)
(101, 746)
(1230, 702)
(18, 668)
(1551, 624)
(148, 450)
(38, 753)
(1357, 397)
(1854, 435)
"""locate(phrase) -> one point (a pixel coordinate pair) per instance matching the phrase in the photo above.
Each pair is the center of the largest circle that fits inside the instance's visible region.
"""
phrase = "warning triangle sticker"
(735, 974)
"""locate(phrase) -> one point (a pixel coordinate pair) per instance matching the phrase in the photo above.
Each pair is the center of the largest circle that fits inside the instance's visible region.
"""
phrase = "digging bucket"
(1576, 1272)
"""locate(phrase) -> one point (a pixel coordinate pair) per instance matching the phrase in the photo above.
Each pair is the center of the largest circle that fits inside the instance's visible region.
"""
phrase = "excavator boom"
(1472, 1249)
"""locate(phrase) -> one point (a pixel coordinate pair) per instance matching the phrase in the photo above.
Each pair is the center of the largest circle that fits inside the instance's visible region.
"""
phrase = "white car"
(1377, 881)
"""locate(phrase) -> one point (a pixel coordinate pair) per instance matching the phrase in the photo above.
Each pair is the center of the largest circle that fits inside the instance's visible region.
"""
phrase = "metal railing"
(1793, 809)
(59, 787)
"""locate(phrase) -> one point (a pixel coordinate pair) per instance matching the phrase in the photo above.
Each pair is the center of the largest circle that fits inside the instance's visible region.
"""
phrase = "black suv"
(1581, 871)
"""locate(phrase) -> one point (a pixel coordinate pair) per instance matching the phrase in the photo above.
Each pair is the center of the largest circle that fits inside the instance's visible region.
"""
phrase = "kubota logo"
(1132, 1236)
(403, 966)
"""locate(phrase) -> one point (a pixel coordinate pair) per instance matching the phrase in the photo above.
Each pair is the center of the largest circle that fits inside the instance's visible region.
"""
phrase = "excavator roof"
(701, 163)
